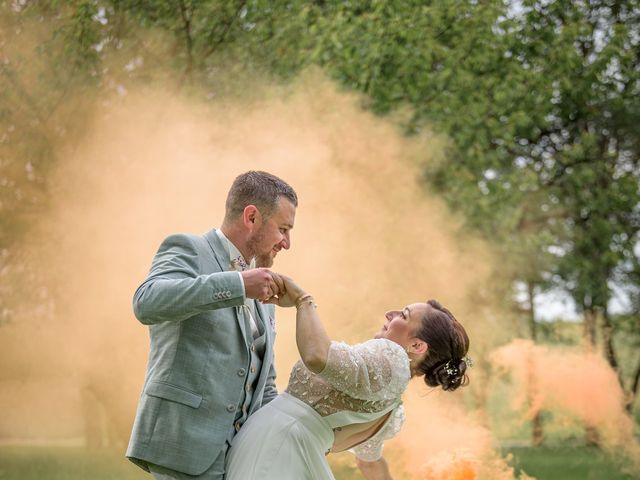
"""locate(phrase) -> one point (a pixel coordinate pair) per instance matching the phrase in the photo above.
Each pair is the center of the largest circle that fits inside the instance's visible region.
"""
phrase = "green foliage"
(538, 99)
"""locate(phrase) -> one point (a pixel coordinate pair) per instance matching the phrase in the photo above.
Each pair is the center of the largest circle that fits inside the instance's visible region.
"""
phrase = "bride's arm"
(376, 470)
(311, 337)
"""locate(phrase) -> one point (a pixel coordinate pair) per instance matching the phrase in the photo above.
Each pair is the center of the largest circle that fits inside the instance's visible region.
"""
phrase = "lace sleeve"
(374, 370)
(371, 450)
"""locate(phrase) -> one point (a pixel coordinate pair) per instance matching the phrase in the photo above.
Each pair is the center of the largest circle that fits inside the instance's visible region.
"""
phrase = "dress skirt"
(284, 440)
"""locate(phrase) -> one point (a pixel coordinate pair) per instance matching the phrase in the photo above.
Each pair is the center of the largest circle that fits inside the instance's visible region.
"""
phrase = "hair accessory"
(451, 368)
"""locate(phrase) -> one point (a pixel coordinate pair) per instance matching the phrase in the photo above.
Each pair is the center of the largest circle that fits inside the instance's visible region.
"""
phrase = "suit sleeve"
(176, 290)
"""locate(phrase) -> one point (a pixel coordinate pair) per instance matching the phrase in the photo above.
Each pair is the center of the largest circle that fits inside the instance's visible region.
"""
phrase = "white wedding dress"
(354, 403)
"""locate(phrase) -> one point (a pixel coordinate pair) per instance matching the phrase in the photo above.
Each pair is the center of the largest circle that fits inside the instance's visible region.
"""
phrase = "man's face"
(273, 234)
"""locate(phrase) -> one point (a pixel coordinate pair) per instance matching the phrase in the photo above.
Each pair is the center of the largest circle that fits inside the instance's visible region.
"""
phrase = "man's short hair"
(260, 189)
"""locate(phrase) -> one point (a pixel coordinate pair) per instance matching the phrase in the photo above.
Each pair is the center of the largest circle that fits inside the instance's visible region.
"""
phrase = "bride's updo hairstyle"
(446, 363)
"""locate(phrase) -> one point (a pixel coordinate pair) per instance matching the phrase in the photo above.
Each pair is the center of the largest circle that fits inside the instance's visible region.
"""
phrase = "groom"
(211, 359)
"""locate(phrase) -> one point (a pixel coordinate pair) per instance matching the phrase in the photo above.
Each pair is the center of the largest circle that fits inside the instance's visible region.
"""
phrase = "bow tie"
(239, 264)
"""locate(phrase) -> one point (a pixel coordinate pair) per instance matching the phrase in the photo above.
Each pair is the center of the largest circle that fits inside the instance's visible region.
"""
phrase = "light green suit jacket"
(199, 357)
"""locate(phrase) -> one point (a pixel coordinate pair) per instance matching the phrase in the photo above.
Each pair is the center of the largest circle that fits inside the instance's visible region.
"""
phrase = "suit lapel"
(221, 254)
(220, 251)
(260, 320)
(263, 313)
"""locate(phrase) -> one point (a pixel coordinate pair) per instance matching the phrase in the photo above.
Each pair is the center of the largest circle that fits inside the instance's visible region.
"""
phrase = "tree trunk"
(95, 419)
(589, 323)
(633, 391)
(609, 349)
(187, 15)
(591, 434)
(537, 431)
(533, 330)
(607, 339)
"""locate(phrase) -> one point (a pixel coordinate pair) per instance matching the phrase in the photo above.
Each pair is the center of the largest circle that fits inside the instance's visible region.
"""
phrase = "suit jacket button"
(231, 408)
(253, 348)
(241, 372)
(238, 425)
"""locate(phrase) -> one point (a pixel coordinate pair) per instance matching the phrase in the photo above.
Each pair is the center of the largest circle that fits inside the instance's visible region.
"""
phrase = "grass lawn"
(567, 463)
(67, 463)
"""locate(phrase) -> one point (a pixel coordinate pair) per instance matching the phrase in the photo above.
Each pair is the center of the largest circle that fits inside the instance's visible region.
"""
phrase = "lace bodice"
(368, 377)
(371, 450)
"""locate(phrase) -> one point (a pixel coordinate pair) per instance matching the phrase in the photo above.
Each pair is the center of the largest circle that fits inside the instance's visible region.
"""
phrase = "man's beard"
(264, 260)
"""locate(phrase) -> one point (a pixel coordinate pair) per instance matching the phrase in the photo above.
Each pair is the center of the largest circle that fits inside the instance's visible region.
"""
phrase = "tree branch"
(186, 16)
(225, 31)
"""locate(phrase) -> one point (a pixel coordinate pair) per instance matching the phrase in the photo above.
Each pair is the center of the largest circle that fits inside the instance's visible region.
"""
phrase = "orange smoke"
(573, 381)
(442, 440)
(462, 464)
(368, 237)
(456, 465)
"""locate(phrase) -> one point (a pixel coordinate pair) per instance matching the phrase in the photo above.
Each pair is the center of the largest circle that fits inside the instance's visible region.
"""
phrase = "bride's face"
(401, 326)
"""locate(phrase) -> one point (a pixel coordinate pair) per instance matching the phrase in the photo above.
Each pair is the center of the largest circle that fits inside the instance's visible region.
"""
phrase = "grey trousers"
(214, 472)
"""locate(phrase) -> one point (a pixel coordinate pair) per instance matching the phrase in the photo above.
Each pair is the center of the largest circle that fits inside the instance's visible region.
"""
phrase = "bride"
(342, 397)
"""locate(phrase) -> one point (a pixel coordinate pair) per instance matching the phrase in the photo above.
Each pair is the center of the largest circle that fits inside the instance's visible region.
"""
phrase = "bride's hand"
(289, 293)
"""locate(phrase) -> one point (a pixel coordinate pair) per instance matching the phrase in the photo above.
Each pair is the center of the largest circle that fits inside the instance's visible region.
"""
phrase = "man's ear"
(418, 346)
(251, 216)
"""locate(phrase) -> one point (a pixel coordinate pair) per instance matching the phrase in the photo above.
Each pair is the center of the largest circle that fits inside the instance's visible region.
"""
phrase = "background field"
(69, 463)
(483, 153)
